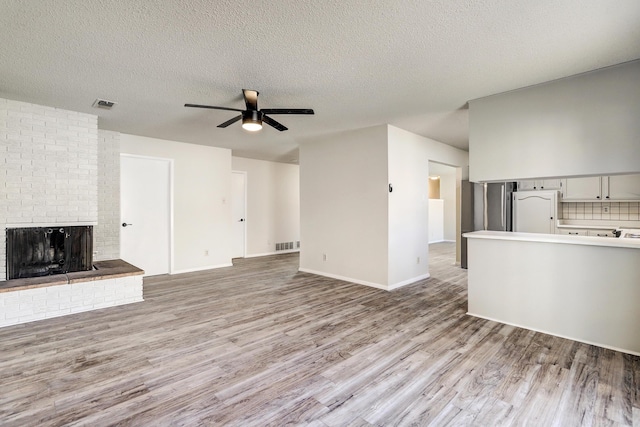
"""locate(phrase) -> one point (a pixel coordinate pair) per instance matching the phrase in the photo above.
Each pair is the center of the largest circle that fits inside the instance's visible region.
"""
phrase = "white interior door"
(145, 195)
(238, 212)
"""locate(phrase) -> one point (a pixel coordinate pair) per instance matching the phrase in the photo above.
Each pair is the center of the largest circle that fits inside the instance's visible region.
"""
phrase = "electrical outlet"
(206, 252)
(605, 209)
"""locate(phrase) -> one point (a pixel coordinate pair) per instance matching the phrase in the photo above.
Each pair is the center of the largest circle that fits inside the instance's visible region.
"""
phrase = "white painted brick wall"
(53, 301)
(51, 172)
(106, 235)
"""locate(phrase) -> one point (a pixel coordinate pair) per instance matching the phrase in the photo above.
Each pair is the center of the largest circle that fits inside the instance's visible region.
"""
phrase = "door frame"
(244, 225)
(170, 208)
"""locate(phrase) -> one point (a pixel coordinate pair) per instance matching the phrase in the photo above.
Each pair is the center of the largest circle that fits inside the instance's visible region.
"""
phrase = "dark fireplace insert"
(41, 251)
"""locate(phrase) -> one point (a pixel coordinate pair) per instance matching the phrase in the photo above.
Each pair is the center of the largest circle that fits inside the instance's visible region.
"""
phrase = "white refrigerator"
(535, 211)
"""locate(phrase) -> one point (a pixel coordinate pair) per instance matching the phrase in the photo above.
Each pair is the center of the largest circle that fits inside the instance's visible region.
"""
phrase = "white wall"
(448, 185)
(343, 206)
(370, 236)
(435, 151)
(273, 204)
(436, 220)
(445, 155)
(408, 226)
(581, 125)
(202, 199)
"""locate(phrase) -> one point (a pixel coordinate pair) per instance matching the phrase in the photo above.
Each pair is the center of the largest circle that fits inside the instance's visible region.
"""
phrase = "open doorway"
(444, 218)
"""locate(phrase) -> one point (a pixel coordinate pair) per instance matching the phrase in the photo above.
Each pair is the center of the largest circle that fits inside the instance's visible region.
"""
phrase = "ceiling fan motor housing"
(251, 116)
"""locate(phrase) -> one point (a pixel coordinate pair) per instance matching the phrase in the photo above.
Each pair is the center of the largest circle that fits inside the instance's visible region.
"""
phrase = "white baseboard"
(364, 282)
(343, 278)
(272, 253)
(409, 281)
(209, 267)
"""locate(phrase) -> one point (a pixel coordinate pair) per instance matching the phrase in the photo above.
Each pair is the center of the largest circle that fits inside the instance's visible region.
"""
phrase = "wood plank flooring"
(261, 344)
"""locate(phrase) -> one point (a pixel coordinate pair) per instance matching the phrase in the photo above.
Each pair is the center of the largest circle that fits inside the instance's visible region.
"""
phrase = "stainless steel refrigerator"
(484, 207)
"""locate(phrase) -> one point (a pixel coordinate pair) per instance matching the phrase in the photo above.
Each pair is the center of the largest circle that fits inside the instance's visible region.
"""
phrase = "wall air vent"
(287, 246)
(104, 104)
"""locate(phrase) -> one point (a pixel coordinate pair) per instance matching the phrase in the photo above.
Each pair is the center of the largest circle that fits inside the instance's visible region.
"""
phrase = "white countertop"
(555, 238)
(597, 224)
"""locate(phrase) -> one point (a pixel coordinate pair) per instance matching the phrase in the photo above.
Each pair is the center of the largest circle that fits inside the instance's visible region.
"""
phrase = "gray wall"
(582, 125)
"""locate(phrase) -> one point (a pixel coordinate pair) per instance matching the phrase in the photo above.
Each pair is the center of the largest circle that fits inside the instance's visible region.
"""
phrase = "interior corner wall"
(273, 204)
(408, 251)
(201, 199)
(581, 125)
(343, 206)
(425, 150)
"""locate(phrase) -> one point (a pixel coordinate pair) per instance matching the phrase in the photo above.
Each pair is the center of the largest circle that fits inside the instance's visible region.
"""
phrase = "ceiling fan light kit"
(252, 118)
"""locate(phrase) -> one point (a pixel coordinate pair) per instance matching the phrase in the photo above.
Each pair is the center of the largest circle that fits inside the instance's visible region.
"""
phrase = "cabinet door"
(623, 187)
(602, 233)
(526, 185)
(549, 184)
(534, 212)
(582, 188)
(572, 231)
(539, 184)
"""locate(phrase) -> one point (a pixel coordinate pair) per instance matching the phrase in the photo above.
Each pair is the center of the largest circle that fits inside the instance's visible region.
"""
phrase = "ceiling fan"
(252, 118)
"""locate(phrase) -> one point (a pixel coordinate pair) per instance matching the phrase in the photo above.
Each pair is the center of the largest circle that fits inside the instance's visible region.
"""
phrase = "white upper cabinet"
(622, 187)
(589, 188)
(539, 184)
(551, 184)
(605, 188)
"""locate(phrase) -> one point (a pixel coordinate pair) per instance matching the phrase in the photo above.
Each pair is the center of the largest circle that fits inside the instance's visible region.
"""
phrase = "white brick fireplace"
(58, 169)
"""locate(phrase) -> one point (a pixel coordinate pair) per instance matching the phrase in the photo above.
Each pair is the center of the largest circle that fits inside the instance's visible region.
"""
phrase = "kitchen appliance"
(485, 206)
(629, 233)
(535, 211)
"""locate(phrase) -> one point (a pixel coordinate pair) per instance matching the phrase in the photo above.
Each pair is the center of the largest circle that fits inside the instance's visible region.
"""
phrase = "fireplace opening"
(42, 251)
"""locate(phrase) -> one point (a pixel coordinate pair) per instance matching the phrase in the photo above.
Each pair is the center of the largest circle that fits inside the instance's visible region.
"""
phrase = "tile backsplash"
(623, 211)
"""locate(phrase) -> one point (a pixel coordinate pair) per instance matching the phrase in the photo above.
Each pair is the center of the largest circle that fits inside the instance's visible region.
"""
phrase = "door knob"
(124, 224)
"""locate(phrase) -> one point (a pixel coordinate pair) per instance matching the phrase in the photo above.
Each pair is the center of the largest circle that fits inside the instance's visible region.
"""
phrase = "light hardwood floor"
(262, 344)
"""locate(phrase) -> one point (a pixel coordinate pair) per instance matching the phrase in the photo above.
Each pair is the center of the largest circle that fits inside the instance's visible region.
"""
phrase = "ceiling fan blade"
(250, 99)
(287, 111)
(211, 107)
(268, 120)
(230, 122)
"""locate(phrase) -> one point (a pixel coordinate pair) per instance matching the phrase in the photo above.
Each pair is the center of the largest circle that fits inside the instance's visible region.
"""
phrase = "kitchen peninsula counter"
(577, 287)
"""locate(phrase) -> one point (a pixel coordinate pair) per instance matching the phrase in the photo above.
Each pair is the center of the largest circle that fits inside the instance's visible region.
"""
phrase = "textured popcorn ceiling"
(411, 63)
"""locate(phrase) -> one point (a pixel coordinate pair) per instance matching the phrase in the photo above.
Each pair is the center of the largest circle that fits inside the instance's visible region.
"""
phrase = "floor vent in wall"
(286, 246)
